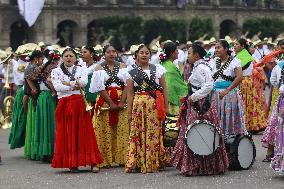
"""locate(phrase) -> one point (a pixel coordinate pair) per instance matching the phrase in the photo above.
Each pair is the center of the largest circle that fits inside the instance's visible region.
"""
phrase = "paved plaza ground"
(17, 172)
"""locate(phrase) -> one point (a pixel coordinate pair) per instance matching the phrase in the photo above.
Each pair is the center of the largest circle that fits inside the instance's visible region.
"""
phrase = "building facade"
(70, 20)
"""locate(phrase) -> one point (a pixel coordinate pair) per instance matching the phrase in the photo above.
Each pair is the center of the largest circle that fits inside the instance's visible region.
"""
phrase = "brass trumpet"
(89, 107)
(8, 103)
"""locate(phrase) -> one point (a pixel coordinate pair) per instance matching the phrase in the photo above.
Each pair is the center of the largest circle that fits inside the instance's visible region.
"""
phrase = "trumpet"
(8, 103)
(89, 107)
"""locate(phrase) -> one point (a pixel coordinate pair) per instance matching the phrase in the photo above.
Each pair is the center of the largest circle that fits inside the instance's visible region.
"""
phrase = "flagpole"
(24, 1)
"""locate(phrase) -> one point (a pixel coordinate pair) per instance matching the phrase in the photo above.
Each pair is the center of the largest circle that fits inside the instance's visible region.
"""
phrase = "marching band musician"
(147, 107)
(75, 140)
(110, 119)
(201, 104)
(227, 76)
(18, 130)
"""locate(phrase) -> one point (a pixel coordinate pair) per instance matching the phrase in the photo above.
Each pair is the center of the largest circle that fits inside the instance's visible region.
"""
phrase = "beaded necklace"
(221, 69)
(112, 74)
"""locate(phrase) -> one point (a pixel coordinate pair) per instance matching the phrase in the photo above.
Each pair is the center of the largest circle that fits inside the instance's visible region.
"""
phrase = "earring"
(91, 56)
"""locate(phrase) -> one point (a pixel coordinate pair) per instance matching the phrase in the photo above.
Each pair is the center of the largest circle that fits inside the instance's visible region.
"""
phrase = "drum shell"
(232, 144)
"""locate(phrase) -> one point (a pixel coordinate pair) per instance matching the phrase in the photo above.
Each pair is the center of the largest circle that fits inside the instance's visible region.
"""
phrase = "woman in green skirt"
(44, 128)
(19, 119)
(88, 55)
(31, 89)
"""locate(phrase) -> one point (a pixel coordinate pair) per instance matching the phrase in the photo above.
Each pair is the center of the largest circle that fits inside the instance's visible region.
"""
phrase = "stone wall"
(83, 12)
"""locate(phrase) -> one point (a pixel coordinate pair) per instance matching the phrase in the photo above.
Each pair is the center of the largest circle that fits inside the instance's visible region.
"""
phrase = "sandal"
(95, 169)
(267, 159)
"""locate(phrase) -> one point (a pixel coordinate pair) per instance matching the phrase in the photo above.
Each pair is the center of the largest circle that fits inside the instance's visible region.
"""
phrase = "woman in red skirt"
(75, 141)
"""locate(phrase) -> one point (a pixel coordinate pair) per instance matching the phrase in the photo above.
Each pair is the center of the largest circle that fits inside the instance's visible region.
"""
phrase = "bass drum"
(170, 131)
(241, 151)
(202, 138)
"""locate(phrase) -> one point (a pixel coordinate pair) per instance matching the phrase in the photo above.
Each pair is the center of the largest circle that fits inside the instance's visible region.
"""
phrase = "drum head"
(203, 139)
(246, 152)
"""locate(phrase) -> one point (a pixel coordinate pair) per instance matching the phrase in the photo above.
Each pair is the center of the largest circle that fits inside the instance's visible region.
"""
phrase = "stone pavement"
(16, 172)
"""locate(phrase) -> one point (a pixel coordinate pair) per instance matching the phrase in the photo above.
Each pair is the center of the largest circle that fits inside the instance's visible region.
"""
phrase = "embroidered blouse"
(201, 77)
(57, 77)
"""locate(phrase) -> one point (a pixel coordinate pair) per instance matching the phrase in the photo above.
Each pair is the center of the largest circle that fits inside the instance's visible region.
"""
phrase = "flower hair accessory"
(54, 55)
(163, 56)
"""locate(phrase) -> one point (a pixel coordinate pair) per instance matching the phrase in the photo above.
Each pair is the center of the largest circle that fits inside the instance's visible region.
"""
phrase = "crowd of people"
(93, 106)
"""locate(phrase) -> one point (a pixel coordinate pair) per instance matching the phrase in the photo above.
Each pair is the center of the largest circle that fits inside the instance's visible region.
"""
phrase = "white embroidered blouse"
(160, 71)
(201, 77)
(229, 71)
(57, 77)
(100, 77)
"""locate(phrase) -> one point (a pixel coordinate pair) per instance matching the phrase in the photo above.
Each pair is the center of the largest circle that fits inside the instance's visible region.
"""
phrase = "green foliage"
(198, 27)
(126, 31)
(269, 27)
(168, 29)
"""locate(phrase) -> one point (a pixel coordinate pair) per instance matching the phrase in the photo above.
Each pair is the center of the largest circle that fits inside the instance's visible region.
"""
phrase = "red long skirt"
(75, 140)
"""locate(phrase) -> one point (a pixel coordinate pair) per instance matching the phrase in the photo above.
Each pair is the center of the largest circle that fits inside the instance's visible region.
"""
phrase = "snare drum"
(241, 151)
(202, 138)
(170, 131)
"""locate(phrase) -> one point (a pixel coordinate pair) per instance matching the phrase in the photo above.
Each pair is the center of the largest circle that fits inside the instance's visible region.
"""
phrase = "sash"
(220, 71)
(66, 72)
(112, 75)
(144, 82)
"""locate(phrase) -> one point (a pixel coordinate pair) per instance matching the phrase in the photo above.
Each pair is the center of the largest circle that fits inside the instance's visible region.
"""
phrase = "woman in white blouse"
(200, 104)
(75, 140)
(147, 107)
(110, 119)
(227, 76)
(254, 100)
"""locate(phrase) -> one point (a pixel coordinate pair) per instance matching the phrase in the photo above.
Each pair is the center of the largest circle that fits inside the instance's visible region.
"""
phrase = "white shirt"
(229, 71)
(160, 71)
(91, 68)
(57, 77)
(130, 60)
(275, 76)
(4, 72)
(100, 77)
(201, 77)
(155, 58)
(248, 71)
(18, 76)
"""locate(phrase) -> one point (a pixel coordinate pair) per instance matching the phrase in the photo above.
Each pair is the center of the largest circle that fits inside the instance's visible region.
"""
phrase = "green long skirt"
(43, 141)
(30, 133)
(19, 119)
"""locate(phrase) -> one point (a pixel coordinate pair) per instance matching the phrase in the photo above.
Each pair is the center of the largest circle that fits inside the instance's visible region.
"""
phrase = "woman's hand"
(34, 91)
(66, 83)
(121, 105)
(223, 93)
(113, 106)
